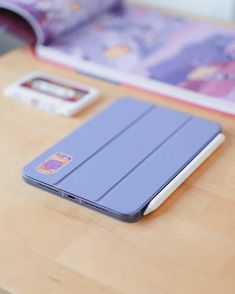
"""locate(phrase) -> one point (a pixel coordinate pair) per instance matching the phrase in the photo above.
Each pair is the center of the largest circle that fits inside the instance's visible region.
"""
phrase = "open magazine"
(127, 43)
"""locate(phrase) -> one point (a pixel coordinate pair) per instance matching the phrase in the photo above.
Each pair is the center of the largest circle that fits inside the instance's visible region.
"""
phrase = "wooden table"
(50, 245)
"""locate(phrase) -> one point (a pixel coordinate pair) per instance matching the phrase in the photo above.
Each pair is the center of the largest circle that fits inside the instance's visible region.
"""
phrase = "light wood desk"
(50, 245)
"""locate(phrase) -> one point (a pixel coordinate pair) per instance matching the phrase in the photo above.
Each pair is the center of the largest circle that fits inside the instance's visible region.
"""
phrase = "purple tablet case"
(122, 158)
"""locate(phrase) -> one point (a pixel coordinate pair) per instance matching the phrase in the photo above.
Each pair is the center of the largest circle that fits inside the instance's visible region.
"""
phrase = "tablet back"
(119, 160)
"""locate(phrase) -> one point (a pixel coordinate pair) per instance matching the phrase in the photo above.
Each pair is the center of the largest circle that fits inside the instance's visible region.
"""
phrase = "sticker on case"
(54, 163)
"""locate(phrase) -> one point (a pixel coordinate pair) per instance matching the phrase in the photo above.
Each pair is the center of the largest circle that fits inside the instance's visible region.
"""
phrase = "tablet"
(127, 160)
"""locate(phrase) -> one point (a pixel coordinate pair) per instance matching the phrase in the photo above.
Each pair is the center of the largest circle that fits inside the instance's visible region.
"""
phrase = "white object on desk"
(184, 174)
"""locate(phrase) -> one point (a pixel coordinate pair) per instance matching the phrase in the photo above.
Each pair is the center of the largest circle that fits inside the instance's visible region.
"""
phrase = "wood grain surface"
(50, 245)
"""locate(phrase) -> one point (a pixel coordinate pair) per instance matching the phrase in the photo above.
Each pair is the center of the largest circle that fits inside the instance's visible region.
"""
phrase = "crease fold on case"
(127, 160)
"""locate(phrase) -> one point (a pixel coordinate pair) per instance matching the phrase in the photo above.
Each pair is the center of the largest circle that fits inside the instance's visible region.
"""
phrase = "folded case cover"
(123, 157)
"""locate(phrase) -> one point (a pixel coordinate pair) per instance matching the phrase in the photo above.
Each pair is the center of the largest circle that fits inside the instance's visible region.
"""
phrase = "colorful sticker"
(54, 163)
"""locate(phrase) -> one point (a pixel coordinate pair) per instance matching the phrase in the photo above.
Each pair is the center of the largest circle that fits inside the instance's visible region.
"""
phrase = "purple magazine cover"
(195, 55)
(190, 54)
(123, 157)
(53, 18)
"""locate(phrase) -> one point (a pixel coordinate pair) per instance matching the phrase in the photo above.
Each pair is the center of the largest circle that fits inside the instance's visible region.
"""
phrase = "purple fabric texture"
(126, 154)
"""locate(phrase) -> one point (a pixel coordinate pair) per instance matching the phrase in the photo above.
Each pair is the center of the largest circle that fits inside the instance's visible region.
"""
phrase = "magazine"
(183, 58)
